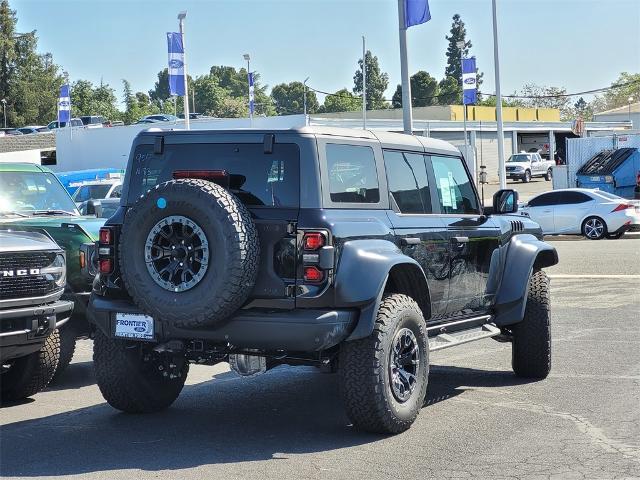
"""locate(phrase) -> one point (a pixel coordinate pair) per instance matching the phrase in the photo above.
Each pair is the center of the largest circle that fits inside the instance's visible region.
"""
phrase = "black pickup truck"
(32, 281)
(358, 251)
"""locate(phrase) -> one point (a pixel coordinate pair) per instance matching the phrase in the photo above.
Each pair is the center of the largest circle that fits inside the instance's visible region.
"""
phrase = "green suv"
(32, 198)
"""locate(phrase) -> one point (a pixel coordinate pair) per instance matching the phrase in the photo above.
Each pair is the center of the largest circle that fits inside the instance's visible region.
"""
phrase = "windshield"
(31, 192)
(88, 192)
(518, 158)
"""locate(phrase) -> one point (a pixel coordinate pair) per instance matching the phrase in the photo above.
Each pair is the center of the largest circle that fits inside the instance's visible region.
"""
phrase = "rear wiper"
(53, 212)
(12, 212)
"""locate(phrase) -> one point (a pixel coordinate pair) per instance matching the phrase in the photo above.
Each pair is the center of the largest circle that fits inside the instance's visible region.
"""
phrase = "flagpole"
(461, 45)
(500, 129)
(181, 17)
(364, 84)
(407, 114)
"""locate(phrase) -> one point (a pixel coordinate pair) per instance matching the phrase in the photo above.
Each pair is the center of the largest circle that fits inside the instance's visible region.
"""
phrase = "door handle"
(459, 240)
(410, 241)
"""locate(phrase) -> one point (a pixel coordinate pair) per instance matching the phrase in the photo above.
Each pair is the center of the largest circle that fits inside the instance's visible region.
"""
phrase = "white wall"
(84, 148)
(24, 156)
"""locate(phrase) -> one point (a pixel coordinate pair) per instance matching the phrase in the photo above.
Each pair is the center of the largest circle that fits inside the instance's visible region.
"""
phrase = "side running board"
(461, 331)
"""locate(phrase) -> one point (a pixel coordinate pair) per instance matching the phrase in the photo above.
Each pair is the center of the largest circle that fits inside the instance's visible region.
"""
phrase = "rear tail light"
(106, 265)
(313, 241)
(622, 206)
(106, 236)
(313, 274)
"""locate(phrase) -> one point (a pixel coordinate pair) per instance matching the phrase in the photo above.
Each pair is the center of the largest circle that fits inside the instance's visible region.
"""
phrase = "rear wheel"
(383, 378)
(549, 175)
(136, 379)
(527, 176)
(594, 228)
(28, 375)
(531, 348)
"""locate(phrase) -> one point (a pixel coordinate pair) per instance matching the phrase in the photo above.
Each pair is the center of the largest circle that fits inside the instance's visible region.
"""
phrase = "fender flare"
(525, 252)
(362, 274)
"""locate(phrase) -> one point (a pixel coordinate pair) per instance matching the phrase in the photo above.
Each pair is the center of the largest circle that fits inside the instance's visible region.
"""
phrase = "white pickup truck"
(525, 166)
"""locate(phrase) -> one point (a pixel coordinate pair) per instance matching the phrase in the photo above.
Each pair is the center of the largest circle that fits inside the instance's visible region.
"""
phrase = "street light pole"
(181, 16)
(304, 100)
(500, 129)
(460, 46)
(364, 84)
(630, 100)
(248, 59)
(4, 111)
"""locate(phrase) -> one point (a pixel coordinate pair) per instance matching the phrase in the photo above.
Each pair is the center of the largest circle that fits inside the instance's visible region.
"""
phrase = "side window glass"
(352, 174)
(573, 198)
(543, 200)
(117, 191)
(455, 191)
(408, 183)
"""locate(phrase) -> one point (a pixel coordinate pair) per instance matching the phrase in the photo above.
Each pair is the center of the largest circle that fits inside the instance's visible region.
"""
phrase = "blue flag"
(469, 80)
(416, 12)
(176, 64)
(64, 105)
(251, 97)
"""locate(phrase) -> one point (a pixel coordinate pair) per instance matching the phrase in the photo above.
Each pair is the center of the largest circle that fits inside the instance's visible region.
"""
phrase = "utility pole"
(4, 111)
(247, 57)
(304, 100)
(500, 126)
(181, 16)
(364, 84)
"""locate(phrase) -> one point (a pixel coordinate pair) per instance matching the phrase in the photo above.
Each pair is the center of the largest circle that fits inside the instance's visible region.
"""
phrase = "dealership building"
(525, 129)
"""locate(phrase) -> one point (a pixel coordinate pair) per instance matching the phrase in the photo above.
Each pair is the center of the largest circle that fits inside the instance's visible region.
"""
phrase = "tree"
(236, 83)
(89, 100)
(209, 96)
(341, 101)
(454, 53)
(29, 81)
(450, 91)
(288, 99)
(547, 97)
(377, 82)
(424, 91)
(582, 109)
(491, 101)
(619, 96)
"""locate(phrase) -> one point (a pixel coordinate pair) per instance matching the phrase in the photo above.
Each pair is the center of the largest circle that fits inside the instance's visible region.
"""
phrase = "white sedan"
(580, 211)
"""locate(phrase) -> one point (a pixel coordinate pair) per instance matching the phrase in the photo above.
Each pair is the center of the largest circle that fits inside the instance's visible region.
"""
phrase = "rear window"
(256, 178)
(88, 192)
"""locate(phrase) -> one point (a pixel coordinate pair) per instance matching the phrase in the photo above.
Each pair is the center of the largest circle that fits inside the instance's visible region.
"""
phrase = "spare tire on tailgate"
(189, 253)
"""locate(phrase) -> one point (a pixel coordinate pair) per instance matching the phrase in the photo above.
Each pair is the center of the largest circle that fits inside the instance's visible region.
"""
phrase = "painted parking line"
(595, 276)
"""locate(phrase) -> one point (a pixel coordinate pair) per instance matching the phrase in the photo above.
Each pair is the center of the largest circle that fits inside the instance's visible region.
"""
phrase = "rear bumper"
(25, 329)
(301, 330)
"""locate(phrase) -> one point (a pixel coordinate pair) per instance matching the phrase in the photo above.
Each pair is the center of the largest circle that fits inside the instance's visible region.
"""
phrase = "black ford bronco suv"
(32, 280)
(354, 250)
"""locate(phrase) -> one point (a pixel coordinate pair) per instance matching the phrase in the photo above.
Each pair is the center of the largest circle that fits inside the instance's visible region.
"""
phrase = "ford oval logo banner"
(176, 63)
(469, 92)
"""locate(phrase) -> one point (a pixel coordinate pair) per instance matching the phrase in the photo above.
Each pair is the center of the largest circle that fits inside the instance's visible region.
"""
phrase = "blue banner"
(64, 105)
(176, 64)
(469, 80)
(416, 12)
(251, 97)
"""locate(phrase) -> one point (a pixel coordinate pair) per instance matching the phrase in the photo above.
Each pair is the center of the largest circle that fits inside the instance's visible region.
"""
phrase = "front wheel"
(549, 175)
(531, 348)
(27, 375)
(68, 336)
(594, 228)
(136, 379)
(527, 176)
(383, 378)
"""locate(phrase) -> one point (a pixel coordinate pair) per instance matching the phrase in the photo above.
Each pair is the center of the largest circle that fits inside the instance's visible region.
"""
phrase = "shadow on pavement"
(76, 375)
(229, 419)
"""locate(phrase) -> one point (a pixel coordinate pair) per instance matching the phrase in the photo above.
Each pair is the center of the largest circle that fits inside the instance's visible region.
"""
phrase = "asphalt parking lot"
(479, 421)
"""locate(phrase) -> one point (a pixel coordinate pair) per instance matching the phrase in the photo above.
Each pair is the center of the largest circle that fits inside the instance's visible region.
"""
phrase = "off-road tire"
(128, 382)
(68, 336)
(549, 175)
(526, 178)
(364, 370)
(30, 374)
(531, 348)
(604, 230)
(233, 244)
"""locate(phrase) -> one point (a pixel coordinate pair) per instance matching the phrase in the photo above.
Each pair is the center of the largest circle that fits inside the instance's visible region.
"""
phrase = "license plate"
(134, 325)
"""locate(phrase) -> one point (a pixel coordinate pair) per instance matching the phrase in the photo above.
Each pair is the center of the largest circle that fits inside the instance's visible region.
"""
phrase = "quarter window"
(408, 183)
(352, 174)
(455, 191)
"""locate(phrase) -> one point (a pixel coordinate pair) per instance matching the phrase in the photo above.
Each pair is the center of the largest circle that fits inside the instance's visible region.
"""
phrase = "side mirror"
(94, 207)
(505, 201)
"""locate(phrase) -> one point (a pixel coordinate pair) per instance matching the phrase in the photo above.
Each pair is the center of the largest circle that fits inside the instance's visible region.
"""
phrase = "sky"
(576, 44)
